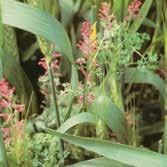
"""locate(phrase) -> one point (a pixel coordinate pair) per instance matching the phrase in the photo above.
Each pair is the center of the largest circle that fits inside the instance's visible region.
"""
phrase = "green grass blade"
(112, 117)
(3, 158)
(135, 75)
(118, 152)
(67, 11)
(13, 71)
(34, 20)
(118, 9)
(77, 119)
(142, 15)
(100, 162)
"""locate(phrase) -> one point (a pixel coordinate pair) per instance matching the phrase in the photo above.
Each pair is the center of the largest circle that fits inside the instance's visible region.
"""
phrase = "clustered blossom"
(7, 101)
(87, 46)
(5, 94)
(43, 64)
(104, 11)
(6, 135)
(134, 8)
(105, 15)
(55, 65)
(89, 99)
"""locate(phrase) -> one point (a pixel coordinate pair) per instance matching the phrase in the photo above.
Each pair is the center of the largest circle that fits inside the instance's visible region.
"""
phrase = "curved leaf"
(135, 75)
(122, 153)
(77, 119)
(17, 77)
(34, 20)
(112, 116)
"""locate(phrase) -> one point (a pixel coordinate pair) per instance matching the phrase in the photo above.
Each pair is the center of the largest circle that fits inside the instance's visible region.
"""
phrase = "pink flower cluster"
(7, 101)
(55, 64)
(6, 135)
(43, 64)
(105, 15)
(89, 99)
(104, 11)
(6, 97)
(86, 45)
(5, 94)
(134, 8)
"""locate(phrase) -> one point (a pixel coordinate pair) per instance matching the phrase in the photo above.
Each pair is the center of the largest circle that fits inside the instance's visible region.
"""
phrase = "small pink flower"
(90, 98)
(56, 54)
(105, 14)
(86, 30)
(104, 11)
(80, 99)
(55, 65)
(81, 61)
(6, 132)
(5, 90)
(5, 103)
(6, 135)
(43, 63)
(134, 8)
(19, 107)
(4, 116)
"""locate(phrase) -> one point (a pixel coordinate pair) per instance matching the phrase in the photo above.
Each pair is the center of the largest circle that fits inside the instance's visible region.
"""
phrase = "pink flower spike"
(134, 8)
(5, 90)
(104, 11)
(86, 30)
(86, 45)
(6, 135)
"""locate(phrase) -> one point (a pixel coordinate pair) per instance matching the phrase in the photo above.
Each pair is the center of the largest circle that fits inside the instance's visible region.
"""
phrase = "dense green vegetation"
(82, 83)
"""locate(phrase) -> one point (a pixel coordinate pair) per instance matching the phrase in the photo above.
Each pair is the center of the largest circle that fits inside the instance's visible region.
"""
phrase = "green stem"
(3, 157)
(61, 143)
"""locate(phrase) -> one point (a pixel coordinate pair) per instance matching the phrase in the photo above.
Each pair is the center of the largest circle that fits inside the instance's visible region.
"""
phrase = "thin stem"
(2, 150)
(61, 143)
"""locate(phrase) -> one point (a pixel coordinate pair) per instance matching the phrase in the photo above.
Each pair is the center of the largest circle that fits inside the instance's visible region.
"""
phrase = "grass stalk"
(3, 157)
(58, 122)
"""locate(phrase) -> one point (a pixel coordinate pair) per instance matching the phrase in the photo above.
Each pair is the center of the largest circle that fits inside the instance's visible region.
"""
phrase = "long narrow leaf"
(100, 162)
(112, 116)
(31, 19)
(118, 152)
(3, 158)
(77, 119)
(135, 75)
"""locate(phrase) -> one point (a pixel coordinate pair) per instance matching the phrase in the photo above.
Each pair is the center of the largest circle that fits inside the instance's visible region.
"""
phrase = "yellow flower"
(93, 34)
